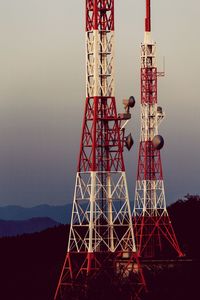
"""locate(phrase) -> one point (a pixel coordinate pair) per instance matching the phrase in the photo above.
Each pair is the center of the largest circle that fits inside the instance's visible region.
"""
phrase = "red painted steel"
(82, 268)
(101, 152)
(152, 225)
(99, 15)
(148, 86)
(102, 140)
(148, 16)
(149, 164)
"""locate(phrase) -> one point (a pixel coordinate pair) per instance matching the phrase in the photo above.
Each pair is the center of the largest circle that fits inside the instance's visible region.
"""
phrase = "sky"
(42, 94)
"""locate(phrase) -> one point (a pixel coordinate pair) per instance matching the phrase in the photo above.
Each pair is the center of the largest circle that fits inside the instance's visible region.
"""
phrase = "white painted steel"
(149, 194)
(100, 63)
(87, 214)
(101, 202)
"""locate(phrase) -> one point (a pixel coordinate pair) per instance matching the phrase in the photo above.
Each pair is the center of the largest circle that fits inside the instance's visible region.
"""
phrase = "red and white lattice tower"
(153, 228)
(101, 235)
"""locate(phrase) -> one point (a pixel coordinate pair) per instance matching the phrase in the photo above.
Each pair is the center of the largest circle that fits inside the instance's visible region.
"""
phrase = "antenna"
(148, 16)
(152, 224)
(162, 73)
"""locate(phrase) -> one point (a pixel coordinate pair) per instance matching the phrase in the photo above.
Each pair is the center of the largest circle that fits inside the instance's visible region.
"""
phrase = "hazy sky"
(42, 93)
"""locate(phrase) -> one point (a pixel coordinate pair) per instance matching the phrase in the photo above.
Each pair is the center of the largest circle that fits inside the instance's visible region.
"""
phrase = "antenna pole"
(152, 224)
(148, 16)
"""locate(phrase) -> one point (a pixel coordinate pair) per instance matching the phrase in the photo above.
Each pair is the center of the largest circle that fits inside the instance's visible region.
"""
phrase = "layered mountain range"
(17, 220)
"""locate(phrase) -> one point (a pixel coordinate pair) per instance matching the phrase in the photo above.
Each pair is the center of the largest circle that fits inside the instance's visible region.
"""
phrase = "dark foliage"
(30, 265)
(12, 228)
(180, 282)
(185, 217)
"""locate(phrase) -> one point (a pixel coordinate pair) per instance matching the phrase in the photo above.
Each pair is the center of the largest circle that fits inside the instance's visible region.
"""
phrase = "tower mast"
(153, 228)
(101, 239)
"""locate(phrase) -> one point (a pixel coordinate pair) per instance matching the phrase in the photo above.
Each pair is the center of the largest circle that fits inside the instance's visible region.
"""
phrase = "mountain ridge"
(31, 263)
(9, 228)
(58, 213)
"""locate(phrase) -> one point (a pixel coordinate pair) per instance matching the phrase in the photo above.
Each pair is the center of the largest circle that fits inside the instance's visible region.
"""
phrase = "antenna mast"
(101, 245)
(153, 229)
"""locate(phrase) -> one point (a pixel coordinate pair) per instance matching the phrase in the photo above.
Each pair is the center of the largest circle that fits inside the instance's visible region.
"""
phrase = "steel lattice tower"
(101, 238)
(153, 228)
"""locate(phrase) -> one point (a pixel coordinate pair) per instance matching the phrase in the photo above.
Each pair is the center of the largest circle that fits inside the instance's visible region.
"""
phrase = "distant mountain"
(30, 265)
(60, 214)
(13, 228)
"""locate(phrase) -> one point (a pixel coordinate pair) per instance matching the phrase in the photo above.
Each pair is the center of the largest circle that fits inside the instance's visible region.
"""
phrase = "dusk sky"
(42, 94)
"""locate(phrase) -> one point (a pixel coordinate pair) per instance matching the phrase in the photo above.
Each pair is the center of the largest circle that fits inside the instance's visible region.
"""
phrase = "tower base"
(88, 276)
(154, 235)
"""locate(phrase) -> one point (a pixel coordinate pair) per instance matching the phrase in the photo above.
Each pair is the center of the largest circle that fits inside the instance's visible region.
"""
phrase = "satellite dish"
(158, 142)
(131, 102)
(129, 142)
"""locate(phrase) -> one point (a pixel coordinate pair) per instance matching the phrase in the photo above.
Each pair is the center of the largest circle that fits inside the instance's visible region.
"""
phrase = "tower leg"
(155, 236)
(100, 260)
(82, 276)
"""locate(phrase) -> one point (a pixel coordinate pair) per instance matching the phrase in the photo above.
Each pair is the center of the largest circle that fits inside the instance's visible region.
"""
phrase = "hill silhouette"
(60, 213)
(185, 217)
(30, 264)
(12, 228)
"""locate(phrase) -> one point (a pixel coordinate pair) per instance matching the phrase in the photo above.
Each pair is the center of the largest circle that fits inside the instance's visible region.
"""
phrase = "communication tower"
(101, 239)
(152, 225)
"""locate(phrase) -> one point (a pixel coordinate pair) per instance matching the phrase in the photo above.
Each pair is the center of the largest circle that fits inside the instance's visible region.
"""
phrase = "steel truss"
(101, 240)
(151, 220)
